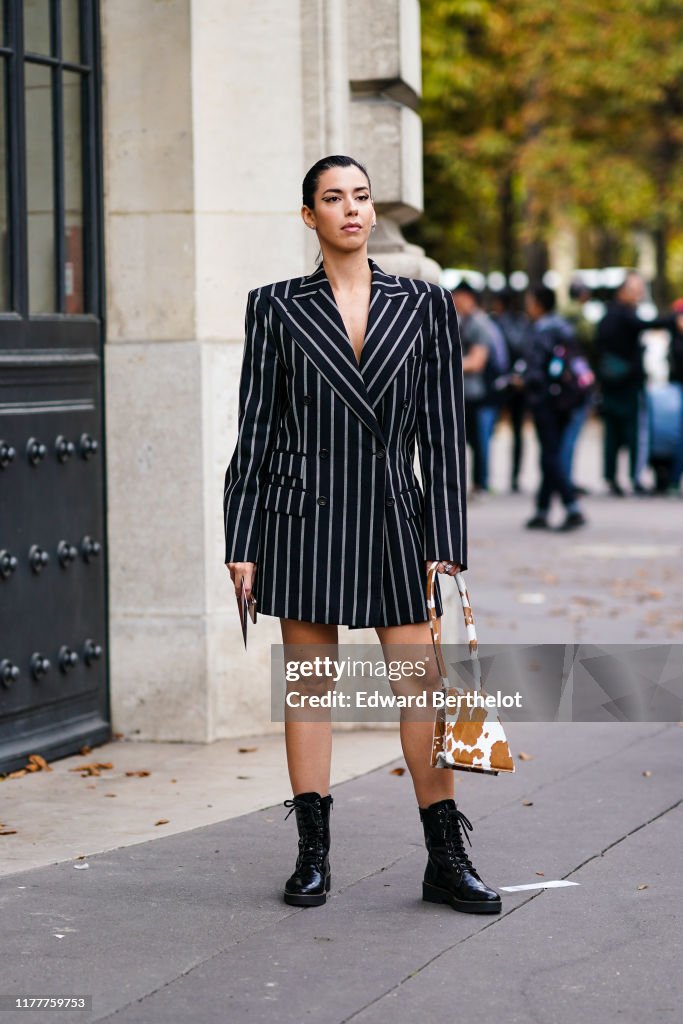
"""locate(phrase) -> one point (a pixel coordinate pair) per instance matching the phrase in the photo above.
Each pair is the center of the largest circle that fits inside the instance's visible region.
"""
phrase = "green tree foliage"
(537, 112)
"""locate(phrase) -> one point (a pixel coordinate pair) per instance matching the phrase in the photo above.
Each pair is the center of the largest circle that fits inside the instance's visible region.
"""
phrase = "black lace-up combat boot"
(450, 876)
(309, 884)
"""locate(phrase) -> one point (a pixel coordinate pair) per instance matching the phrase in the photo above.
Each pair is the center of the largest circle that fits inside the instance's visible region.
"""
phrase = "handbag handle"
(469, 623)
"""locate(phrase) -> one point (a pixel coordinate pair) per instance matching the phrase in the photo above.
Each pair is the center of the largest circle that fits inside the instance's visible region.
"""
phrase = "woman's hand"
(449, 568)
(239, 569)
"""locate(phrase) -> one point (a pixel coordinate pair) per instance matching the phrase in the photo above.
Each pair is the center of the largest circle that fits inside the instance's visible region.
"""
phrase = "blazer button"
(381, 453)
(390, 502)
(307, 399)
(323, 453)
(322, 500)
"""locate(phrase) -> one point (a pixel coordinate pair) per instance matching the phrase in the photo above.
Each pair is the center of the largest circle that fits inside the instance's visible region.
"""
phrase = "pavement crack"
(437, 956)
(621, 839)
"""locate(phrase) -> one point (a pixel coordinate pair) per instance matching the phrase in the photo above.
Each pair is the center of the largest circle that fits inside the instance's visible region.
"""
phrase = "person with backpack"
(555, 382)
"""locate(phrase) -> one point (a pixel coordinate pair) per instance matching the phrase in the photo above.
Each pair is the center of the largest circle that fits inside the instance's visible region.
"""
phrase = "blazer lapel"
(393, 323)
(311, 315)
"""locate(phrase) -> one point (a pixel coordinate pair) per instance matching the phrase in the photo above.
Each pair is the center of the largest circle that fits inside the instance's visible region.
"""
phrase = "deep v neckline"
(358, 357)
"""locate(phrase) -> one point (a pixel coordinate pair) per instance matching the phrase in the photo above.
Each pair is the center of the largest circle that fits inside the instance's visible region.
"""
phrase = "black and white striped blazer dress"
(320, 491)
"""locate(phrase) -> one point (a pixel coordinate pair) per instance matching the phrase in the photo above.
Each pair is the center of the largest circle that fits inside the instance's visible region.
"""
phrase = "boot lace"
(453, 819)
(310, 825)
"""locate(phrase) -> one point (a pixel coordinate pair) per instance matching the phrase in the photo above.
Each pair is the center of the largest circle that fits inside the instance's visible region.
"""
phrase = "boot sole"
(302, 900)
(431, 894)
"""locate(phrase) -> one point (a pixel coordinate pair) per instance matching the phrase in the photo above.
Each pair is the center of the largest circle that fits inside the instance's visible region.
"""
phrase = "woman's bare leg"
(431, 784)
(308, 743)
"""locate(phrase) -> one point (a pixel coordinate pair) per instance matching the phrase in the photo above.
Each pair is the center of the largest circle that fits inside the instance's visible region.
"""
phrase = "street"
(192, 925)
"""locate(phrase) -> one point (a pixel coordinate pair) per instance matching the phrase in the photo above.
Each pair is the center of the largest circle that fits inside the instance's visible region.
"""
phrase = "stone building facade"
(212, 112)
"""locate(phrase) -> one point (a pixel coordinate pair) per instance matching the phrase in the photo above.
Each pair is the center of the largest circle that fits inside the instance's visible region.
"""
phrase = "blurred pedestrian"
(550, 346)
(513, 325)
(676, 377)
(573, 313)
(484, 362)
(622, 378)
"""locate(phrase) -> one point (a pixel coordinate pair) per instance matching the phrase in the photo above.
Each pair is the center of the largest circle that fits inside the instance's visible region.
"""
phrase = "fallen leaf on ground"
(643, 886)
(540, 873)
(246, 750)
(243, 776)
(161, 821)
(37, 763)
(527, 803)
(8, 832)
(17, 774)
(140, 773)
(397, 771)
(111, 794)
(94, 768)
(85, 750)
(524, 756)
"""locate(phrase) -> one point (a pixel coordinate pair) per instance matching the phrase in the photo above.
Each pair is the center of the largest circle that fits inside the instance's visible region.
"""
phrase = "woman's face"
(343, 213)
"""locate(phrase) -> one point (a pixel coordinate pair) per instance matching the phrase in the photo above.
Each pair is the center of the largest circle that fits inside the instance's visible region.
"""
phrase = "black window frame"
(27, 326)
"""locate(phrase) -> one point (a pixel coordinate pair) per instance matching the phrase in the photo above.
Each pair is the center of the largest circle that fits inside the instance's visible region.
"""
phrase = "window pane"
(4, 226)
(40, 189)
(71, 36)
(37, 26)
(73, 193)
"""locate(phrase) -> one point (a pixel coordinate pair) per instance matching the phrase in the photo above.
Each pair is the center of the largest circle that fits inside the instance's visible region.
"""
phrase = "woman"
(343, 370)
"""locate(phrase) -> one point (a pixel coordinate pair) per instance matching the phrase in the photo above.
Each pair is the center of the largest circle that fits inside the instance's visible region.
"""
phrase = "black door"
(53, 612)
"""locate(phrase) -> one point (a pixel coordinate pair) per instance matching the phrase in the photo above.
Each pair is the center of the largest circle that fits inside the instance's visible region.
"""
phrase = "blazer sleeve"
(441, 438)
(258, 415)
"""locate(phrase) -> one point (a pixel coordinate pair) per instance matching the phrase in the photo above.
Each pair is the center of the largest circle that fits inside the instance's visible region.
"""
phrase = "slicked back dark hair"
(310, 182)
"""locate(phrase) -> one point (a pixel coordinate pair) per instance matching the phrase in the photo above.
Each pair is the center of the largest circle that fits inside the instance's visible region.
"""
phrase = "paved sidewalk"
(64, 814)
(185, 920)
(193, 927)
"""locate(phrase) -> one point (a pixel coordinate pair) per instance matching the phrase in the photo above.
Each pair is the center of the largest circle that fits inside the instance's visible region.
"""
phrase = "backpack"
(569, 378)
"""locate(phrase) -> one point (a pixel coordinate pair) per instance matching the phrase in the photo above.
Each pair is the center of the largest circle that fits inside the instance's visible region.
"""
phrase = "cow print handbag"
(467, 738)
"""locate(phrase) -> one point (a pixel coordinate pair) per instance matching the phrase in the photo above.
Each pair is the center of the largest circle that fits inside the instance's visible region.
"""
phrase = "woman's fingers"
(449, 568)
(239, 569)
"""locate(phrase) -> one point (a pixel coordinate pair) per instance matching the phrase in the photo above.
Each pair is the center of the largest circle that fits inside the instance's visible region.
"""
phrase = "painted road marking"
(538, 885)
